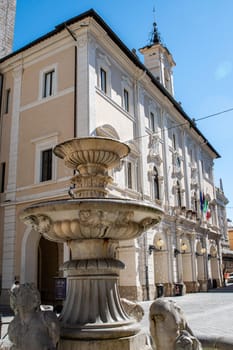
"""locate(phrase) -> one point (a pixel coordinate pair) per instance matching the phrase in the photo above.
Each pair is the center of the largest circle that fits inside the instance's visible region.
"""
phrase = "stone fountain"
(92, 225)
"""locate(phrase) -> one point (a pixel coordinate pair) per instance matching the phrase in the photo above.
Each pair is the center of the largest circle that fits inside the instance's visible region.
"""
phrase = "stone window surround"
(133, 161)
(153, 111)
(104, 63)
(42, 75)
(42, 144)
(126, 85)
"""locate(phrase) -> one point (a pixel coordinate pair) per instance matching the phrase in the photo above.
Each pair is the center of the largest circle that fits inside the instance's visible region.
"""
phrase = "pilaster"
(82, 87)
(8, 247)
(14, 138)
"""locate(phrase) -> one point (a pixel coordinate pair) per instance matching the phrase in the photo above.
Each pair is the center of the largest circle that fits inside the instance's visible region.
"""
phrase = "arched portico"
(186, 256)
(214, 266)
(161, 263)
(29, 255)
(200, 264)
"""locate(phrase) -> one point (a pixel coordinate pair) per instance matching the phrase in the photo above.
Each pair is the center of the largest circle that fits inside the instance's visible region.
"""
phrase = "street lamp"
(159, 244)
(182, 250)
(202, 252)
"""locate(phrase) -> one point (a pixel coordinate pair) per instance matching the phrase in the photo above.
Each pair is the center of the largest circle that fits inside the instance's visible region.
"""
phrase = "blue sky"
(198, 33)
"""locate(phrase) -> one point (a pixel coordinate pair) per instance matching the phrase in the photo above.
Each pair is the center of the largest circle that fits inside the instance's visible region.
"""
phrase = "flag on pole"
(208, 215)
(205, 205)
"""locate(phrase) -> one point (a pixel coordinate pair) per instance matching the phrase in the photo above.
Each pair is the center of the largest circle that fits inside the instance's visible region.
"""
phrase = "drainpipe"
(75, 79)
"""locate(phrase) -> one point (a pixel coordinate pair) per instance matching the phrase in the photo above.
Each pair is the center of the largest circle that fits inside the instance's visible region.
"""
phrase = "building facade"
(80, 80)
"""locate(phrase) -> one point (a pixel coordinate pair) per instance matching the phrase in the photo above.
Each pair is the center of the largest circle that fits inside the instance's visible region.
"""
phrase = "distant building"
(230, 235)
(79, 80)
(226, 256)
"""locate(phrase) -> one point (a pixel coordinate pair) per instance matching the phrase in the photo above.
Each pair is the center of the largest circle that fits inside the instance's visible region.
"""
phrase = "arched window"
(156, 183)
(178, 189)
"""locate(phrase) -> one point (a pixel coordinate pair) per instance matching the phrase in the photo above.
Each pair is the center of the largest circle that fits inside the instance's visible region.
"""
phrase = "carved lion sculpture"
(169, 329)
(31, 328)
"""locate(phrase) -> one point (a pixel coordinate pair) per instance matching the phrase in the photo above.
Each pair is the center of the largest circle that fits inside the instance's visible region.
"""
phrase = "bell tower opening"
(159, 60)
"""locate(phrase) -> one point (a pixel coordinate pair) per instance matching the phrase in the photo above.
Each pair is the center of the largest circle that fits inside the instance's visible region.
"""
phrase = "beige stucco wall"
(54, 116)
(106, 113)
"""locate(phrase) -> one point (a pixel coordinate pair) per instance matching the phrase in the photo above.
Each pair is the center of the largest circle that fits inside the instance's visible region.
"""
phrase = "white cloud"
(223, 70)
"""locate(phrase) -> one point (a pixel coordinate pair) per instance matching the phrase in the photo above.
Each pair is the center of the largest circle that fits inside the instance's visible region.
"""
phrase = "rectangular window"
(152, 121)
(103, 80)
(48, 83)
(126, 100)
(2, 177)
(46, 165)
(1, 92)
(129, 175)
(7, 100)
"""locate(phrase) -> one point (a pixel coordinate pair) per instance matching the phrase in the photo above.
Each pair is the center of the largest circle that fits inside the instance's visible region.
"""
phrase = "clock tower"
(7, 21)
(159, 60)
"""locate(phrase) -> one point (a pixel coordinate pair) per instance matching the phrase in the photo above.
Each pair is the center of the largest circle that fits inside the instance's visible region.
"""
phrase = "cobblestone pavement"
(208, 314)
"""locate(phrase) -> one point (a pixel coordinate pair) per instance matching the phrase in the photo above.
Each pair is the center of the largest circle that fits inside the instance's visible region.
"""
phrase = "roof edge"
(92, 13)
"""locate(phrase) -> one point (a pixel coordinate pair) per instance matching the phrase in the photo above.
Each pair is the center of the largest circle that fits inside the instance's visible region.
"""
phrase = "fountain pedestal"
(92, 225)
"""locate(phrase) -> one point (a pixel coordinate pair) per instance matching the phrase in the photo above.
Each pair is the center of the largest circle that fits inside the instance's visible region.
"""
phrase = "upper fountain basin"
(91, 218)
(91, 155)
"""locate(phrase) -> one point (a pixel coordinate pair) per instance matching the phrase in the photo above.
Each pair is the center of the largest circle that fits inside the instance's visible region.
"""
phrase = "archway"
(40, 261)
(161, 266)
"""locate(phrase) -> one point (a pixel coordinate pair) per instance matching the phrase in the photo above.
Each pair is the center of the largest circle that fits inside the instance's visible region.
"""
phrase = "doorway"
(48, 268)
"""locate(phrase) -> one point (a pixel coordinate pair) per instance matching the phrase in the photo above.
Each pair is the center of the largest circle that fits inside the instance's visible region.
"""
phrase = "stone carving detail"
(169, 329)
(154, 153)
(177, 165)
(31, 328)
(40, 223)
(132, 309)
(92, 224)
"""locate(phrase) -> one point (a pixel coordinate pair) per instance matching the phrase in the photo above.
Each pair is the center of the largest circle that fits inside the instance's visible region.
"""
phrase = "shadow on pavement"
(227, 289)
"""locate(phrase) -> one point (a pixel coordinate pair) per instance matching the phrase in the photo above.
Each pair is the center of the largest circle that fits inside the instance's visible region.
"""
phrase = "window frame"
(46, 166)
(126, 99)
(48, 84)
(152, 121)
(2, 176)
(43, 144)
(126, 94)
(44, 73)
(104, 64)
(103, 80)
(178, 194)
(156, 184)
(7, 100)
(131, 183)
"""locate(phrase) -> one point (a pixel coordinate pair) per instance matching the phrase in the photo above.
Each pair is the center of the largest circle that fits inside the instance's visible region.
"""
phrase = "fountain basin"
(91, 218)
(91, 154)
